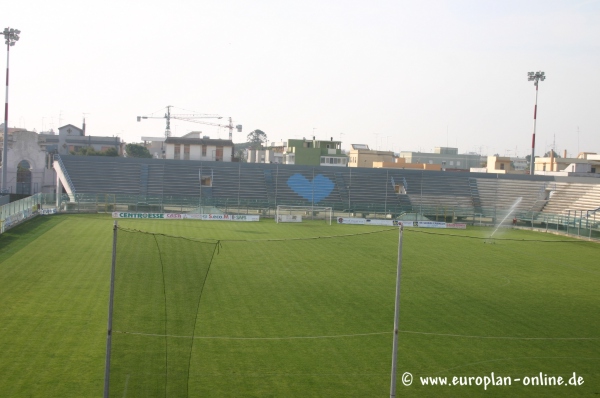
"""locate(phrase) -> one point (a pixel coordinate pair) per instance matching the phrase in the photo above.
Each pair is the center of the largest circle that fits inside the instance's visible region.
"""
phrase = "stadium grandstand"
(391, 193)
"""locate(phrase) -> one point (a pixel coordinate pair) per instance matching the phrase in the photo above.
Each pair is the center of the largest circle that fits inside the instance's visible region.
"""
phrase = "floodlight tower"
(535, 77)
(11, 36)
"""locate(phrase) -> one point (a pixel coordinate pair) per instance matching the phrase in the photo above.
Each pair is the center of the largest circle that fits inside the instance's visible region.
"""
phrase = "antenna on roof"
(84, 122)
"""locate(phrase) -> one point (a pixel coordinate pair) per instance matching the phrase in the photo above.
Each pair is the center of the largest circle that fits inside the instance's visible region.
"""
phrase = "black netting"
(158, 284)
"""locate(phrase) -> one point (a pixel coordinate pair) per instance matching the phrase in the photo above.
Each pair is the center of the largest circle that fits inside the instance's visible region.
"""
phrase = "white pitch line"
(501, 337)
(356, 335)
(126, 384)
(251, 338)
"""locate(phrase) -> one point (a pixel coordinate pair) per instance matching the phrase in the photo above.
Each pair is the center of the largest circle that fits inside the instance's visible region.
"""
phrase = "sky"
(395, 75)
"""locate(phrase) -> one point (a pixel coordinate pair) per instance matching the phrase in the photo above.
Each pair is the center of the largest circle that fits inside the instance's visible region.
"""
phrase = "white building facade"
(29, 165)
(192, 147)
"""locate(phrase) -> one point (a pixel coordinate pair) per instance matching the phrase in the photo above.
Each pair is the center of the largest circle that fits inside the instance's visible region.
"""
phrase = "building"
(315, 153)
(30, 155)
(272, 154)
(586, 164)
(400, 163)
(503, 165)
(520, 164)
(192, 147)
(448, 158)
(361, 156)
(500, 165)
(71, 138)
(265, 155)
(155, 145)
(29, 164)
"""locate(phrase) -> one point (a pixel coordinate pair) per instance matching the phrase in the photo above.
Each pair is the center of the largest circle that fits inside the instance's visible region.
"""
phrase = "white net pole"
(110, 313)
(396, 315)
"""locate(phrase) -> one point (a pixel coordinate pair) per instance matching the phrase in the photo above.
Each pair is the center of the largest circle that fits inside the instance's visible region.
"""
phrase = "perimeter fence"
(580, 223)
(14, 213)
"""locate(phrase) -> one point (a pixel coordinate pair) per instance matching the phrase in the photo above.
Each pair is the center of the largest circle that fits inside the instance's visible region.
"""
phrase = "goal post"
(286, 213)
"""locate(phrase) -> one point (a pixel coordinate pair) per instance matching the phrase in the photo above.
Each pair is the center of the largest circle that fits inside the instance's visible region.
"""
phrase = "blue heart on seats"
(317, 189)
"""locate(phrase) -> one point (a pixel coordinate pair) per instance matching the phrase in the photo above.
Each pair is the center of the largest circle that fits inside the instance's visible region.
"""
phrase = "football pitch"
(306, 310)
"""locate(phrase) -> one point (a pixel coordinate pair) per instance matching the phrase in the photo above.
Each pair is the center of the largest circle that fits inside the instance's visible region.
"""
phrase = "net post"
(110, 312)
(396, 315)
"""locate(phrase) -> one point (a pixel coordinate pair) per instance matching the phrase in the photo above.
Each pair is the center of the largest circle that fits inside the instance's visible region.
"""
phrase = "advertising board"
(431, 224)
(348, 220)
(178, 216)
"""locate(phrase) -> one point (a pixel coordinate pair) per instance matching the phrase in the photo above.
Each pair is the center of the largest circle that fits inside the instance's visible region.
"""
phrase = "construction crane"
(229, 126)
(190, 117)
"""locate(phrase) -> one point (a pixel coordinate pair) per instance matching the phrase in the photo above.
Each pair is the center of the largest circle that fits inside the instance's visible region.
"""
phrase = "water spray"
(510, 211)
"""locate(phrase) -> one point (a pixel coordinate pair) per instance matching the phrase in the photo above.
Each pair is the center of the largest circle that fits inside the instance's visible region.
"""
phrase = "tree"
(550, 152)
(240, 155)
(89, 151)
(257, 138)
(85, 151)
(80, 151)
(112, 151)
(137, 151)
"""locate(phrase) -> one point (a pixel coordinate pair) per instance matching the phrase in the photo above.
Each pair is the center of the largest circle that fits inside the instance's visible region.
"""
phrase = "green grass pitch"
(313, 317)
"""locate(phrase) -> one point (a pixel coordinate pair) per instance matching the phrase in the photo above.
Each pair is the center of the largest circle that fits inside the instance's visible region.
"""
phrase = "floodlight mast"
(11, 36)
(535, 77)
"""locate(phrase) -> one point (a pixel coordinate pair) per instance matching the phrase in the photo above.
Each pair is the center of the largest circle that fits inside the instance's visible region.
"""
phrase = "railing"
(579, 223)
(64, 171)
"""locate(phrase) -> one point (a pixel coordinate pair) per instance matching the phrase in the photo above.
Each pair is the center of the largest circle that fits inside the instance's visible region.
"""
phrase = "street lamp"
(11, 36)
(535, 77)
